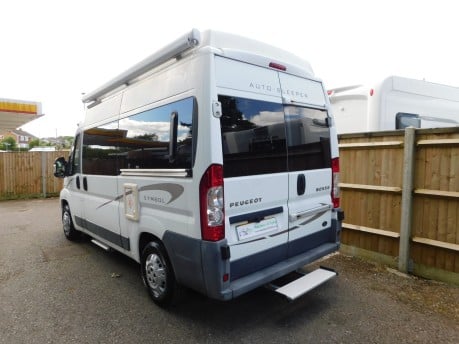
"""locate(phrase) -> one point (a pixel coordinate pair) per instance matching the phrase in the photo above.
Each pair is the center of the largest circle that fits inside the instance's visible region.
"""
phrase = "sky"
(53, 51)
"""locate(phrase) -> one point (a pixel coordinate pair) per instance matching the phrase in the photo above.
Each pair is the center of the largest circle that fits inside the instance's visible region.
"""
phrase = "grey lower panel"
(204, 266)
(185, 256)
(261, 260)
(199, 264)
(108, 235)
(264, 276)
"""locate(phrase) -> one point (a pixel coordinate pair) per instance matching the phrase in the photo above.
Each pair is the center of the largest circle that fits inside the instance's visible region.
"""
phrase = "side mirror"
(60, 167)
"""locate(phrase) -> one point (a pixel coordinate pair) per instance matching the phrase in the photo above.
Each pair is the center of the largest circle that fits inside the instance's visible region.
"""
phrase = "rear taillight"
(335, 182)
(212, 204)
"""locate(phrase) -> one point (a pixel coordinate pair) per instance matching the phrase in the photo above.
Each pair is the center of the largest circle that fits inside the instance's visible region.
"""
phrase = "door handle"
(78, 182)
(85, 184)
(309, 212)
(301, 184)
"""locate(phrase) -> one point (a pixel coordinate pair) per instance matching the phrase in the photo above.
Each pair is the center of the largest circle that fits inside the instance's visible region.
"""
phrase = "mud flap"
(305, 283)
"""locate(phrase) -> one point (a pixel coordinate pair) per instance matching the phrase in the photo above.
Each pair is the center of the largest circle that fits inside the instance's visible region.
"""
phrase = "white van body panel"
(129, 186)
(173, 80)
(254, 194)
(372, 108)
(103, 112)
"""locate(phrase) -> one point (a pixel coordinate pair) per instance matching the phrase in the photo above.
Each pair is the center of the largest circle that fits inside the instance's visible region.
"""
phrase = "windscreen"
(261, 137)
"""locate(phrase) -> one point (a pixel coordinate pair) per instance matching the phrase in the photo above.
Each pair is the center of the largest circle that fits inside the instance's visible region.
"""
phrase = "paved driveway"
(55, 291)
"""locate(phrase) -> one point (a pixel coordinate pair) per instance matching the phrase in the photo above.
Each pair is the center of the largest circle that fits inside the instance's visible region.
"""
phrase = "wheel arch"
(145, 238)
(64, 202)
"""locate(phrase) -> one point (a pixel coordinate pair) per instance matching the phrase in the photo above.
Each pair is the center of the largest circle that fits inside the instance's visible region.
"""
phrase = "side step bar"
(98, 243)
(302, 285)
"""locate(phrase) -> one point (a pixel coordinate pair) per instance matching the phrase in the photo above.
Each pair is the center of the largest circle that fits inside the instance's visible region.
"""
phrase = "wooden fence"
(401, 198)
(28, 174)
(400, 194)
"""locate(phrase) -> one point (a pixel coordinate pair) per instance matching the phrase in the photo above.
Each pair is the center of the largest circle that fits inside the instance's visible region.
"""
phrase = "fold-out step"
(302, 285)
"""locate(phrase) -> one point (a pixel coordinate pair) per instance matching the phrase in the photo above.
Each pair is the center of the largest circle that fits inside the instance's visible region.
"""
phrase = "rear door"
(309, 163)
(254, 165)
(276, 163)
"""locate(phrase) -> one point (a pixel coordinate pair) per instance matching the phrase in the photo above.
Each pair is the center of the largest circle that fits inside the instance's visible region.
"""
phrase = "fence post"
(407, 200)
(43, 173)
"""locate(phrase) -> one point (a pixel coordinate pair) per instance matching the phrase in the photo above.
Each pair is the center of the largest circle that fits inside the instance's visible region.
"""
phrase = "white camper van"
(214, 164)
(395, 103)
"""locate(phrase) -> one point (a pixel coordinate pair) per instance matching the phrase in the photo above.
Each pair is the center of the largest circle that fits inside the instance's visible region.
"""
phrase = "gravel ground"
(418, 294)
(54, 291)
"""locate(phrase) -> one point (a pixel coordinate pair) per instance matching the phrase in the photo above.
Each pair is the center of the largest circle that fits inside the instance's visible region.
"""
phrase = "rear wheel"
(67, 224)
(157, 274)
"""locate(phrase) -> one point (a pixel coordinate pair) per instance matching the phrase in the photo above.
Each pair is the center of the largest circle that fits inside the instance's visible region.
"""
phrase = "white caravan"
(214, 164)
(395, 103)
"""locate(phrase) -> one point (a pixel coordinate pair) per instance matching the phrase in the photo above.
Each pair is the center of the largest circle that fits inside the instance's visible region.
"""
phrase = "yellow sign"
(18, 107)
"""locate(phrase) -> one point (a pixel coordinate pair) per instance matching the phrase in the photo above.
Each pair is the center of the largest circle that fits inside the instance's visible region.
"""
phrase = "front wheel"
(157, 274)
(67, 224)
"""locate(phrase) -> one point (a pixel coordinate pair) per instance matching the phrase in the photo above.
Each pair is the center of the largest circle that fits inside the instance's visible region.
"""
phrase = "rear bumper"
(261, 277)
(204, 266)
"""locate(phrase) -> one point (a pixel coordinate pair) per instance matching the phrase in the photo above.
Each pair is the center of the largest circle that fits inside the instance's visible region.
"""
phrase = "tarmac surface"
(56, 291)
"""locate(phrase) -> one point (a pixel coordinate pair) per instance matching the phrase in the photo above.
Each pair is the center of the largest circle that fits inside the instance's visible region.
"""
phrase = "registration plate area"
(256, 229)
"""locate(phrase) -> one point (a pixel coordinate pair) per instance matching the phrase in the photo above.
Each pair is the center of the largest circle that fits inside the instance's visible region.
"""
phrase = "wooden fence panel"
(371, 190)
(371, 175)
(436, 198)
(28, 174)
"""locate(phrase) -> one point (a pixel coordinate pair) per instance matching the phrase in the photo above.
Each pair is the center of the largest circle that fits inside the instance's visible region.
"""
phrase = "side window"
(74, 158)
(100, 149)
(405, 120)
(146, 142)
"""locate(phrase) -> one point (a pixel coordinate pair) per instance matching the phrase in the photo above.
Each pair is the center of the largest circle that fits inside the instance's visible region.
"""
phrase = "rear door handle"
(85, 184)
(301, 184)
(309, 212)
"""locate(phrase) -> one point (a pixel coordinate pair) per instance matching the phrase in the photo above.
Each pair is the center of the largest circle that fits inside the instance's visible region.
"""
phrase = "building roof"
(18, 132)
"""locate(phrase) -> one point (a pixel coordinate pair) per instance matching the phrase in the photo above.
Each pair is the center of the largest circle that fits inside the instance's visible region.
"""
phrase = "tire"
(67, 225)
(158, 275)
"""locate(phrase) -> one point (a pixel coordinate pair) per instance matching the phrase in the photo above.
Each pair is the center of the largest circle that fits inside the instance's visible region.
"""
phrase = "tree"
(68, 141)
(34, 143)
(8, 144)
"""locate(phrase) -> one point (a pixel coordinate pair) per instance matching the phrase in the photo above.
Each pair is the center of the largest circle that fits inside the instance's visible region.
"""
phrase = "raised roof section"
(230, 45)
(227, 42)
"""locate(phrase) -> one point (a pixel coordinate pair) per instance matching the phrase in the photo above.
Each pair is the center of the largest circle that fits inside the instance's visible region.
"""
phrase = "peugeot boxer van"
(214, 164)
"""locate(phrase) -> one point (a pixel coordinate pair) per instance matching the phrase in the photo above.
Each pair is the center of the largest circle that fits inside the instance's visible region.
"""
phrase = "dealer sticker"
(253, 229)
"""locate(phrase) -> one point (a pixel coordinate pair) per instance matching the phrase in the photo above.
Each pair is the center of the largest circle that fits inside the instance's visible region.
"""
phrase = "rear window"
(261, 137)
